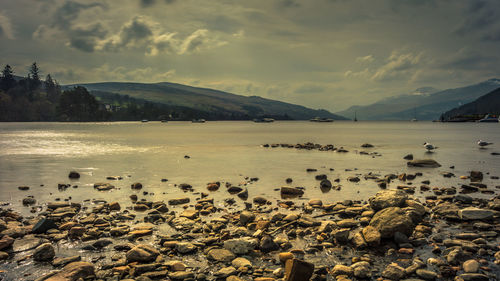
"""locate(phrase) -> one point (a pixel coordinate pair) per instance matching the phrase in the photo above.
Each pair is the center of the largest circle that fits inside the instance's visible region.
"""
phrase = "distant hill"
(489, 103)
(424, 103)
(208, 100)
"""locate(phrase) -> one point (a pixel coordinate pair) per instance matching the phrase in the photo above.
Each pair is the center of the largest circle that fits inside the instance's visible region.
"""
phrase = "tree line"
(32, 99)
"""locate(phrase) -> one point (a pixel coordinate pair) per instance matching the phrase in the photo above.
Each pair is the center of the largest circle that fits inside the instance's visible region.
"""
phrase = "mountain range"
(208, 100)
(487, 104)
(423, 104)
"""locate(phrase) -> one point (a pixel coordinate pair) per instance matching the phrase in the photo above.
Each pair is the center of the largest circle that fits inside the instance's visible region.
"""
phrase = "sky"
(327, 54)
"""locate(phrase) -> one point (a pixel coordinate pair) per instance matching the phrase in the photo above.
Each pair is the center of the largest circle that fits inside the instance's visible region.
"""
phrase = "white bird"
(429, 147)
(482, 143)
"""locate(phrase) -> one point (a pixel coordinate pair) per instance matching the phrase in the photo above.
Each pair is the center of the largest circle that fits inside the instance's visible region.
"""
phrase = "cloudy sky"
(320, 53)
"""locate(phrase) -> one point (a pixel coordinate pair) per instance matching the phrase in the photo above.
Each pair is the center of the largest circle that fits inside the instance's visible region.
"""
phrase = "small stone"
(283, 257)
(142, 253)
(73, 271)
(427, 274)
(246, 217)
(136, 185)
(393, 272)
(340, 269)
(221, 255)
(241, 262)
(43, 225)
(471, 266)
(225, 272)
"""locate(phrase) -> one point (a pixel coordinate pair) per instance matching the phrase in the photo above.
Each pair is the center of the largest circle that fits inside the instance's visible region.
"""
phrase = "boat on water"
(198, 121)
(164, 121)
(321, 119)
(489, 118)
(263, 120)
(144, 120)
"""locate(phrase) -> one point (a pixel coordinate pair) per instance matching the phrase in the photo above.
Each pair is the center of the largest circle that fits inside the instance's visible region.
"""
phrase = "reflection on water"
(36, 154)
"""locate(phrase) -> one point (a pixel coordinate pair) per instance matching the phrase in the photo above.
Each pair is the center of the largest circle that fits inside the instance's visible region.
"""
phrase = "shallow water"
(33, 154)
(36, 154)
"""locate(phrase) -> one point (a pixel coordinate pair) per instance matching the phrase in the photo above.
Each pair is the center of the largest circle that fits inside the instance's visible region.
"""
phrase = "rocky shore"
(447, 234)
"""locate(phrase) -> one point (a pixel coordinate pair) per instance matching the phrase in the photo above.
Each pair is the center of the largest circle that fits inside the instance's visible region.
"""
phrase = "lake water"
(36, 154)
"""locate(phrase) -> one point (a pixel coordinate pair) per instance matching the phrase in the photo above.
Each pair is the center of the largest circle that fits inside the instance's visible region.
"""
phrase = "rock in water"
(472, 213)
(142, 253)
(43, 225)
(425, 163)
(391, 220)
(291, 191)
(74, 175)
(44, 252)
(298, 270)
(73, 271)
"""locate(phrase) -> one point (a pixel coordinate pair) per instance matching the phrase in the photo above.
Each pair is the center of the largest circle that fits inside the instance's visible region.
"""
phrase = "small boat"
(263, 120)
(318, 119)
(355, 118)
(198, 121)
(489, 118)
(144, 120)
(164, 121)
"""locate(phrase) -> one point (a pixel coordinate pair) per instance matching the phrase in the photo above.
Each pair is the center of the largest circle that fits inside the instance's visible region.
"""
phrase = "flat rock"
(472, 213)
(241, 246)
(73, 271)
(391, 220)
(178, 201)
(388, 198)
(221, 255)
(142, 253)
(425, 163)
(44, 252)
(28, 242)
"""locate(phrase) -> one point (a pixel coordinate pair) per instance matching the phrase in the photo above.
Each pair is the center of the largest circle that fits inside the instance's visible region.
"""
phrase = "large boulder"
(388, 198)
(73, 271)
(391, 220)
(142, 253)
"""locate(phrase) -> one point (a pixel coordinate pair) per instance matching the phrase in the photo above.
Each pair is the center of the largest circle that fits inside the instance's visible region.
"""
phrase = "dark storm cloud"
(135, 31)
(481, 16)
(70, 10)
(149, 3)
(223, 23)
(85, 44)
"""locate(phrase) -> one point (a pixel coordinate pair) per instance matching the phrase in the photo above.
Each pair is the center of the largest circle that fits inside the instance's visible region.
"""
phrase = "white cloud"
(6, 27)
(365, 59)
(398, 64)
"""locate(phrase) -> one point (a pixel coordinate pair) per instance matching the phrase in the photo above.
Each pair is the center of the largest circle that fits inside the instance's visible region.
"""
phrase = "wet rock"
(472, 213)
(260, 200)
(474, 277)
(185, 247)
(213, 186)
(241, 262)
(471, 266)
(136, 185)
(29, 201)
(178, 201)
(23, 188)
(267, 244)
(298, 270)
(190, 214)
(362, 270)
(3, 256)
(283, 257)
(114, 206)
(64, 261)
(291, 191)
(447, 210)
(371, 235)
(367, 145)
(181, 275)
(393, 272)
(388, 198)
(76, 231)
(101, 186)
(221, 255)
(476, 176)
(408, 157)
(44, 252)
(73, 272)
(425, 163)
(74, 175)
(6, 242)
(225, 272)
(426, 274)
(391, 220)
(353, 179)
(241, 246)
(246, 217)
(234, 189)
(142, 253)
(316, 203)
(243, 195)
(28, 242)
(43, 225)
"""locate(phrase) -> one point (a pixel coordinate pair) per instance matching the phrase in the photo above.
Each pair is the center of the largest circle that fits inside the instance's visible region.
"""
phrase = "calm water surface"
(43, 153)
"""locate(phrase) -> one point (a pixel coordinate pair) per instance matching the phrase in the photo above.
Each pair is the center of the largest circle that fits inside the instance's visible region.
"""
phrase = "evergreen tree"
(7, 80)
(34, 77)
